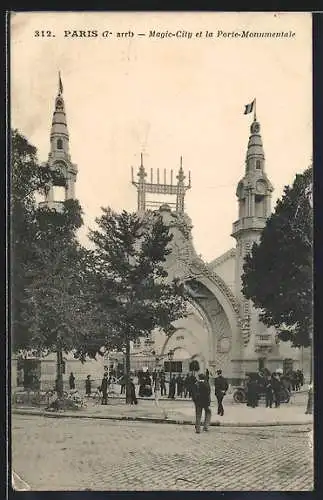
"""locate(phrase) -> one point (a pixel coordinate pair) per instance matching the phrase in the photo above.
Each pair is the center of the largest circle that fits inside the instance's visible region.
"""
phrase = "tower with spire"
(59, 159)
(254, 192)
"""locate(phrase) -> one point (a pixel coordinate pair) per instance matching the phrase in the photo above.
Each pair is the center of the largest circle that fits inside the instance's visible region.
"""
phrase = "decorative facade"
(222, 329)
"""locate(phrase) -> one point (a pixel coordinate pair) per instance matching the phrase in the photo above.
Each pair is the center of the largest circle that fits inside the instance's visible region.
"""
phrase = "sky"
(167, 97)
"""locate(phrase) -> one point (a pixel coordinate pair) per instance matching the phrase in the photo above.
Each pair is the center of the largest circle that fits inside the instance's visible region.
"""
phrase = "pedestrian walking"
(157, 391)
(309, 407)
(179, 384)
(71, 381)
(261, 381)
(299, 379)
(252, 392)
(162, 384)
(132, 389)
(172, 387)
(104, 389)
(277, 386)
(207, 375)
(186, 384)
(191, 382)
(88, 384)
(123, 384)
(269, 393)
(201, 395)
(220, 386)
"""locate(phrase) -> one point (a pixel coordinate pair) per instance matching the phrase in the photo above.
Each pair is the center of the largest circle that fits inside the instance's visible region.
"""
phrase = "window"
(29, 373)
(261, 363)
(263, 338)
(173, 366)
(59, 144)
(258, 164)
(287, 365)
(59, 193)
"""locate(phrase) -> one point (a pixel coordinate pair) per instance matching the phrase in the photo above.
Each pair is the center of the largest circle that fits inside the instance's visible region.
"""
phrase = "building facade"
(222, 328)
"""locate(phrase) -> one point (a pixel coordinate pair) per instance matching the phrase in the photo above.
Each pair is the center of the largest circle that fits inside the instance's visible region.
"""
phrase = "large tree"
(50, 270)
(278, 272)
(27, 179)
(133, 290)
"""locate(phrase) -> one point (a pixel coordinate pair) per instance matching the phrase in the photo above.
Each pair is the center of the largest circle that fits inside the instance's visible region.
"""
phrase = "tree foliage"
(48, 265)
(278, 271)
(68, 298)
(132, 292)
(26, 180)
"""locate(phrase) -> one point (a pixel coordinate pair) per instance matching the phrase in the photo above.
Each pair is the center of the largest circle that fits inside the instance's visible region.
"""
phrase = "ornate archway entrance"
(211, 331)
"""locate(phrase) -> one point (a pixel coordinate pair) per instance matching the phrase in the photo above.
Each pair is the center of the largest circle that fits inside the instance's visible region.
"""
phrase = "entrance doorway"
(261, 363)
(28, 374)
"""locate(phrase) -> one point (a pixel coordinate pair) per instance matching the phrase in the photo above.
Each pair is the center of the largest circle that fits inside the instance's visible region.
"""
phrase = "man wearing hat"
(202, 400)
(221, 387)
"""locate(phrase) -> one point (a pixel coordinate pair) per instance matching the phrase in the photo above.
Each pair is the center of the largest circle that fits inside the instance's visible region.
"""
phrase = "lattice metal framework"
(165, 187)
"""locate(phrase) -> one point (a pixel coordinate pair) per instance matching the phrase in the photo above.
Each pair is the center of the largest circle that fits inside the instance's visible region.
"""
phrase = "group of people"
(198, 388)
(295, 379)
(150, 384)
(181, 386)
(201, 395)
(154, 384)
(272, 386)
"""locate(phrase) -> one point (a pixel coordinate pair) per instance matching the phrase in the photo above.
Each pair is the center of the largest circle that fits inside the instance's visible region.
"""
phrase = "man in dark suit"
(221, 387)
(104, 389)
(201, 395)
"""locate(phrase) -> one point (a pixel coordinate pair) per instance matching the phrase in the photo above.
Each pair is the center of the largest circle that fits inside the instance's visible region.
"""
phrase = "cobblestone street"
(67, 454)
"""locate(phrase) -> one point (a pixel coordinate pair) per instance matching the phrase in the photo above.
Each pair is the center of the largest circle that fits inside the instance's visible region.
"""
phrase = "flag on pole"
(60, 85)
(249, 107)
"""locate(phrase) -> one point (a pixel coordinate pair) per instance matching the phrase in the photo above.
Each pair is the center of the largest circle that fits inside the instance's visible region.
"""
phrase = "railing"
(249, 223)
(264, 340)
(52, 205)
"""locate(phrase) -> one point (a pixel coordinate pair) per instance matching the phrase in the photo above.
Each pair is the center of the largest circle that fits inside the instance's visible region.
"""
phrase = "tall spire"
(59, 157)
(60, 84)
(254, 189)
(254, 198)
(255, 157)
(59, 137)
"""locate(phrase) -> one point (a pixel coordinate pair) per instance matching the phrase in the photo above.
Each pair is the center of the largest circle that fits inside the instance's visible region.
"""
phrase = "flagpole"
(254, 111)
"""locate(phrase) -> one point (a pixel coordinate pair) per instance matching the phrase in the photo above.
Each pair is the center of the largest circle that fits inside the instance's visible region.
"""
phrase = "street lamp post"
(170, 357)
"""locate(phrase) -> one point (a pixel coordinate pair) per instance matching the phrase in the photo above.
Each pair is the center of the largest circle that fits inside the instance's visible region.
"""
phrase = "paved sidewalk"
(106, 455)
(183, 413)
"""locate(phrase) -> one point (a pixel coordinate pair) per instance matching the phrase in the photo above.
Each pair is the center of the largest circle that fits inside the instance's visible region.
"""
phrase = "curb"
(157, 420)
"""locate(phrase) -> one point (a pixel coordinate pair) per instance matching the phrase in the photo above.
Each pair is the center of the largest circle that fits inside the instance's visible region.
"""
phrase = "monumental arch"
(211, 331)
(223, 328)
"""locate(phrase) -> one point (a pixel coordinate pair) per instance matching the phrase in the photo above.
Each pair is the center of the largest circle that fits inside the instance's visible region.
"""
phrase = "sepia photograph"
(161, 248)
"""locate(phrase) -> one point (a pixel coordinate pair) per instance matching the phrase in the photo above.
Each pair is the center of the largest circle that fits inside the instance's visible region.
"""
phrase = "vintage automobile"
(240, 392)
